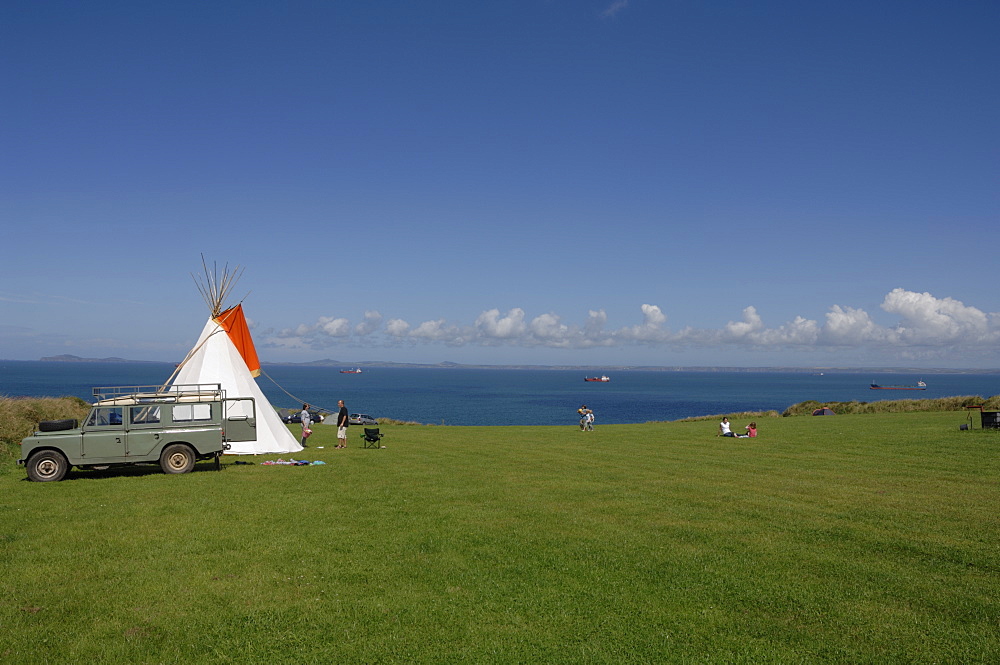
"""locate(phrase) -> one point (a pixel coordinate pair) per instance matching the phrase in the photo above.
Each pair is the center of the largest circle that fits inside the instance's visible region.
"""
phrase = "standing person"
(342, 425)
(590, 420)
(306, 421)
(583, 417)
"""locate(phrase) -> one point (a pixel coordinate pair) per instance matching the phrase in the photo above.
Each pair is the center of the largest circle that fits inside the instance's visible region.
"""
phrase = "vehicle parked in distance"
(314, 417)
(361, 419)
(130, 425)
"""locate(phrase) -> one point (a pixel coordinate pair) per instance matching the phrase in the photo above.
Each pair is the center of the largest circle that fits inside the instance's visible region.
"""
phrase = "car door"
(104, 436)
(144, 428)
(241, 419)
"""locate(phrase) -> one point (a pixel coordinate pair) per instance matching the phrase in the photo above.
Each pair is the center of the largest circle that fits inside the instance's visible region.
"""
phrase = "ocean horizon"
(341, 364)
(460, 395)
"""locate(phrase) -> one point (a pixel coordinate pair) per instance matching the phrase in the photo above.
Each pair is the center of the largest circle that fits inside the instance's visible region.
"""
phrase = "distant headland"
(67, 358)
(329, 362)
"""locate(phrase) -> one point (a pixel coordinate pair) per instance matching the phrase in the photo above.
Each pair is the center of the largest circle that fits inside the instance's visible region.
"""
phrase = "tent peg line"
(297, 399)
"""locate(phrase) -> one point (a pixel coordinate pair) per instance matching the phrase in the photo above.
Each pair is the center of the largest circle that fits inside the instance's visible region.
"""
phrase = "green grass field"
(851, 539)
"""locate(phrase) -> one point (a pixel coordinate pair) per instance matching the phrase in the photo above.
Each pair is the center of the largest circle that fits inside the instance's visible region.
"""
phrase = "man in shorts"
(342, 425)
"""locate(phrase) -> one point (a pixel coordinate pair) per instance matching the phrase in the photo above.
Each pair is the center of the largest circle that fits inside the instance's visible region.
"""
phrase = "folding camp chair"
(372, 438)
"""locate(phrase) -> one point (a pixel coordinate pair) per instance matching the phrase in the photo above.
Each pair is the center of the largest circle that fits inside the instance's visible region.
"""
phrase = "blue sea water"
(460, 396)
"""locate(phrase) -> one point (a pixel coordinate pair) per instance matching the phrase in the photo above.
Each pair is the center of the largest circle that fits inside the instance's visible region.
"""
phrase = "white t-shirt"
(725, 427)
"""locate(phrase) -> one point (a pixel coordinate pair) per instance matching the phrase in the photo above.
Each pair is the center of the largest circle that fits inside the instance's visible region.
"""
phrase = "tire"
(56, 425)
(47, 466)
(177, 458)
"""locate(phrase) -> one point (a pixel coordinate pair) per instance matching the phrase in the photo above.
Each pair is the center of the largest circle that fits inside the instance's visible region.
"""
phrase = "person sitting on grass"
(751, 431)
(724, 428)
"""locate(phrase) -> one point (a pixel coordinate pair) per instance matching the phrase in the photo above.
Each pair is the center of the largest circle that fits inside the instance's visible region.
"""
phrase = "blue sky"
(592, 182)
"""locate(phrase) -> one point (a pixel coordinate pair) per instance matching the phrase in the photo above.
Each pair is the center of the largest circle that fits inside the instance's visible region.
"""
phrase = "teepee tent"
(225, 354)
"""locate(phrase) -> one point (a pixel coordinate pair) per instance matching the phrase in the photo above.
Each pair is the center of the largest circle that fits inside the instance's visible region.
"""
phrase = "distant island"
(67, 358)
(329, 362)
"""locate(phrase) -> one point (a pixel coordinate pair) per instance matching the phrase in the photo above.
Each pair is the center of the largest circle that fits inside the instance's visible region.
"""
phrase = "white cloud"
(930, 320)
(397, 328)
(927, 326)
(491, 325)
(650, 330)
(370, 324)
(800, 331)
(797, 333)
(850, 327)
(751, 323)
(440, 331)
(334, 327)
(595, 323)
(751, 330)
(548, 330)
(614, 8)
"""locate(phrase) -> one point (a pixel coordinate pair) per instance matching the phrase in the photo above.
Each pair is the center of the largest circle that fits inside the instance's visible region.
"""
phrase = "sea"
(466, 396)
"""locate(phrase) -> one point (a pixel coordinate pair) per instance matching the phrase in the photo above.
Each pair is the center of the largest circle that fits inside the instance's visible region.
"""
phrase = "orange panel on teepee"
(235, 325)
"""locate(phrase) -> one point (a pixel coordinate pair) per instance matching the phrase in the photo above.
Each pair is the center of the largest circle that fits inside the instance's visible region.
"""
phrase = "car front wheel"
(177, 458)
(47, 466)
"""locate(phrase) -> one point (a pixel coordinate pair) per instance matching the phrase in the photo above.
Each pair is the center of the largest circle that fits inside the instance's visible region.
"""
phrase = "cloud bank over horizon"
(927, 327)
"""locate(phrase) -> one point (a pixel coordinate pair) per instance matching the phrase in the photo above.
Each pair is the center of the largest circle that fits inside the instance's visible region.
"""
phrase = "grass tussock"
(393, 421)
(19, 417)
(958, 403)
(897, 405)
(742, 415)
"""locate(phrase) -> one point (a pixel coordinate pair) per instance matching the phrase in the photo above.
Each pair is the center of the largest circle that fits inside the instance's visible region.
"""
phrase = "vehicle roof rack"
(207, 391)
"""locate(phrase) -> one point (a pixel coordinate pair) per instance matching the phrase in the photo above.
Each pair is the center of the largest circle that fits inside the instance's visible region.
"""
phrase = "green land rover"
(174, 427)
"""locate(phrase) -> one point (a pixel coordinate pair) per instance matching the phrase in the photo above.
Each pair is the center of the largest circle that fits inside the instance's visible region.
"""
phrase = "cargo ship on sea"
(920, 385)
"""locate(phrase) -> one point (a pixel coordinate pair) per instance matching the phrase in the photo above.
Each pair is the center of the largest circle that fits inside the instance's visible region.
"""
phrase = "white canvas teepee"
(224, 354)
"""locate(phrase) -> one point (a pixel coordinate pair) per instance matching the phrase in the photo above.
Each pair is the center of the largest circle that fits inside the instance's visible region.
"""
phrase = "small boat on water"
(919, 386)
(356, 370)
(599, 379)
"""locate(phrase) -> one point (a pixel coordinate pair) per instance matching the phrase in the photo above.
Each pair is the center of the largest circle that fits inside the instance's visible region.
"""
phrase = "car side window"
(184, 413)
(105, 416)
(144, 415)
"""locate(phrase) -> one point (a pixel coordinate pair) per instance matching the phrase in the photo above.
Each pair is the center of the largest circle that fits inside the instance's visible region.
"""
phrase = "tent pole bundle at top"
(225, 354)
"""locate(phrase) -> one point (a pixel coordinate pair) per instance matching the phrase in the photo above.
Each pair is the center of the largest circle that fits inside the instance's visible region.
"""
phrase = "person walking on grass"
(306, 421)
(342, 424)
(590, 420)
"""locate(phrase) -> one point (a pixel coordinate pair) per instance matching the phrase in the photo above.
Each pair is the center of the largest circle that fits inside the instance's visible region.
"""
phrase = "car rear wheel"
(47, 466)
(177, 458)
